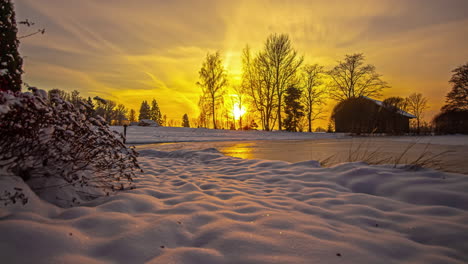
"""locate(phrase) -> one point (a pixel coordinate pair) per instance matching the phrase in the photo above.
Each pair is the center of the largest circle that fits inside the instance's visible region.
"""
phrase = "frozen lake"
(447, 153)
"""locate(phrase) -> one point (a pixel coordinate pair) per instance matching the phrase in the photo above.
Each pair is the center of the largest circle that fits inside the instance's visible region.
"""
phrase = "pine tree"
(185, 121)
(144, 111)
(10, 60)
(292, 108)
(132, 116)
(155, 112)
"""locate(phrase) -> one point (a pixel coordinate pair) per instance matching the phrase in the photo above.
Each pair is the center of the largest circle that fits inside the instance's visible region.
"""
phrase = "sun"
(238, 111)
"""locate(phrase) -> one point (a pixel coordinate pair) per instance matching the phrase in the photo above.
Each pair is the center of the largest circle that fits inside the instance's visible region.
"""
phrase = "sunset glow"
(129, 51)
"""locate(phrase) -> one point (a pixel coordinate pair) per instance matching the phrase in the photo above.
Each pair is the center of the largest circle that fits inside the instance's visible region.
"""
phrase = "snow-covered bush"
(64, 156)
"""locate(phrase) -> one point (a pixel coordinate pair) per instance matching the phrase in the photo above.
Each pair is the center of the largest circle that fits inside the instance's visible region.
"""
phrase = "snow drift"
(204, 207)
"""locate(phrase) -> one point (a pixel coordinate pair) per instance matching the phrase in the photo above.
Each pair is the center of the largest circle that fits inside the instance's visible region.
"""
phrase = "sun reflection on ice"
(241, 150)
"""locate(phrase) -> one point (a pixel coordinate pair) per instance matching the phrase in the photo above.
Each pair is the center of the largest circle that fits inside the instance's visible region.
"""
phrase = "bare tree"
(395, 104)
(120, 113)
(204, 112)
(213, 79)
(314, 93)
(284, 62)
(171, 123)
(257, 80)
(352, 78)
(457, 98)
(105, 108)
(416, 103)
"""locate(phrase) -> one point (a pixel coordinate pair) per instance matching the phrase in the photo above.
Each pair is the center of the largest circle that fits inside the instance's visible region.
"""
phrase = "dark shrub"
(451, 122)
(63, 155)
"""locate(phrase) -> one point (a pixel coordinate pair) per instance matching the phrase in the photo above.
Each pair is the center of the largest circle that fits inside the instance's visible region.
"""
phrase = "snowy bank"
(147, 135)
(204, 207)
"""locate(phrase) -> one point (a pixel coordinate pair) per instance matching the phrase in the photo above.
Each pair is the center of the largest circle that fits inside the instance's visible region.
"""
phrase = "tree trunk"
(213, 111)
(418, 129)
(279, 113)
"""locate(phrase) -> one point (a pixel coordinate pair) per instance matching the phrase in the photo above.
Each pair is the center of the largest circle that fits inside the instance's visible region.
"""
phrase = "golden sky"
(137, 50)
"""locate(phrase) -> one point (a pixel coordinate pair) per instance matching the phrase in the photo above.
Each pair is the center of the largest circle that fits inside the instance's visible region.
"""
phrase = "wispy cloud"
(136, 50)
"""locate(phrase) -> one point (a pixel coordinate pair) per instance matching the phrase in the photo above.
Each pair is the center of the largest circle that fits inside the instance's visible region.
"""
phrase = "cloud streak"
(136, 50)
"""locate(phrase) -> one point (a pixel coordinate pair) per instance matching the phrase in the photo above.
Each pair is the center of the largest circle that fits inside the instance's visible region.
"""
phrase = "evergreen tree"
(292, 108)
(155, 112)
(185, 121)
(132, 115)
(10, 61)
(144, 111)
(164, 121)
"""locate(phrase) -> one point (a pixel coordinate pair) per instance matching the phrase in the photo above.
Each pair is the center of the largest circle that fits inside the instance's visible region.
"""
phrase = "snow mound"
(204, 207)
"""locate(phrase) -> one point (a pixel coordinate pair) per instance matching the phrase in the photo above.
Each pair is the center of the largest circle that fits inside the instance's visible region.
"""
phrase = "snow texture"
(204, 207)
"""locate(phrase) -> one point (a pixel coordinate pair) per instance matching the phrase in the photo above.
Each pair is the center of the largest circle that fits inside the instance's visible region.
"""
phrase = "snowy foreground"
(204, 207)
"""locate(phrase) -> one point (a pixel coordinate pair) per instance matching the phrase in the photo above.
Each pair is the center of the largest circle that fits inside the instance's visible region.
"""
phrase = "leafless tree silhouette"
(213, 79)
(314, 93)
(352, 78)
(416, 104)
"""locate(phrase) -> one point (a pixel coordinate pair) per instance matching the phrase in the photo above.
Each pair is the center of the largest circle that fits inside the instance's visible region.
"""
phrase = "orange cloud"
(131, 51)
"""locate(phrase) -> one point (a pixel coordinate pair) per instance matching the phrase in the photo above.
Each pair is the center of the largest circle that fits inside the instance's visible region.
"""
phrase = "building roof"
(380, 103)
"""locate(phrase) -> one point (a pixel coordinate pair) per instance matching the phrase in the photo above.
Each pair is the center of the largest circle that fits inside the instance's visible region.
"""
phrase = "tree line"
(118, 114)
(283, 92)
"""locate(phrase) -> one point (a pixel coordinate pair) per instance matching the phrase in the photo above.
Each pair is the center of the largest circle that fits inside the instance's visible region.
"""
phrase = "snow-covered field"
(205, 207)
(147, 135)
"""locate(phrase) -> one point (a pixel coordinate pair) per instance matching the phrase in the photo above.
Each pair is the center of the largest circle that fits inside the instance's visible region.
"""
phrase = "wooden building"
(364, 115)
